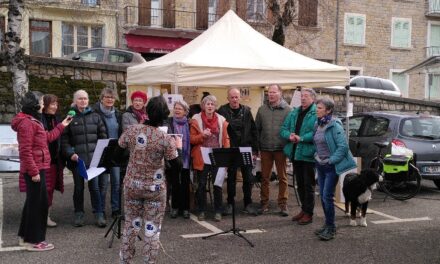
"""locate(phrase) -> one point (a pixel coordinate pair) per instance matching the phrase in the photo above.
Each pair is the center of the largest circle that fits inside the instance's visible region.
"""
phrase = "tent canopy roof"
(231, 52)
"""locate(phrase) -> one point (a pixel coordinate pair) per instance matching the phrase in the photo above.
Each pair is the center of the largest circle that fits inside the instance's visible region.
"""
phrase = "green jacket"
(305, 149)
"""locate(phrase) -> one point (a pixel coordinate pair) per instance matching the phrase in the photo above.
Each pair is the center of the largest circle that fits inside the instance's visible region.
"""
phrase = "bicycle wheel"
(403, 189)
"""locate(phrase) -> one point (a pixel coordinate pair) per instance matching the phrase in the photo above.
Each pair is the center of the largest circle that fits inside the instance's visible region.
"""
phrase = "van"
(373, 85)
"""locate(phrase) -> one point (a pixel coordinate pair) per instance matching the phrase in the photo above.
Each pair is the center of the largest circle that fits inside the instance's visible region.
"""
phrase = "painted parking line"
(401, 220)
(215, 230)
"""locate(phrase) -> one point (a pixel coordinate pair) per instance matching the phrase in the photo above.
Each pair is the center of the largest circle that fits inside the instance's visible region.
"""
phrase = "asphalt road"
(397, 232)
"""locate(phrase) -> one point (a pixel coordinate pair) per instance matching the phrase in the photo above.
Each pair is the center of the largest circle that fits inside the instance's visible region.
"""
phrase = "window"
(91, 2)
(256, 10)
(401, 33)
(80, 37)
(96, 55)
(354, 124)
(212, 12)
(119, 56)
(156, 13)
(433, 86)
(375, 126)
(308, 13)
(434, 39)
(354, 30)
(434, 6)
(40, 38)
(401, 80)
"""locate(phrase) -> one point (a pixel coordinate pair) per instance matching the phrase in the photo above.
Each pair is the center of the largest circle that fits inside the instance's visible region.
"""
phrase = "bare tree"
(281, 18)
(14, 54)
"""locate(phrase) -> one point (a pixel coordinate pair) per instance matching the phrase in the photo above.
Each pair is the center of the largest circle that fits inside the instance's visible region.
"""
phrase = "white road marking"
(215, 230)
(1, 212)
(384, 215)
(6, 249)
(401, 220)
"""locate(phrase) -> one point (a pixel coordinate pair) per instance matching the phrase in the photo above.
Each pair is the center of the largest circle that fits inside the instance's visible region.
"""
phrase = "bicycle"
(402, 182)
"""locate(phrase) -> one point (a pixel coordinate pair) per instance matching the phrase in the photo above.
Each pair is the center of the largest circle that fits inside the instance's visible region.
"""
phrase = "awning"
(153, 44)
(429, 62)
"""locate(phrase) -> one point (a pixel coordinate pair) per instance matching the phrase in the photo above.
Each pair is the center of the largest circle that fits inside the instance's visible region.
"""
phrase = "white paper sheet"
(164, 129)
(93, 172)
(220, 177)
(100, 146)
(205, 155)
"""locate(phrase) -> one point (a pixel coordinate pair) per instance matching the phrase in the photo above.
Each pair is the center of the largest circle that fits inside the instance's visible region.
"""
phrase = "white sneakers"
(362, 222)
(353, 222)
(50, 222)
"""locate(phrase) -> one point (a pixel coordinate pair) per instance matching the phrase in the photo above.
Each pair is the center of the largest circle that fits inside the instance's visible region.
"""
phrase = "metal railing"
(432, 51)
(167, 18)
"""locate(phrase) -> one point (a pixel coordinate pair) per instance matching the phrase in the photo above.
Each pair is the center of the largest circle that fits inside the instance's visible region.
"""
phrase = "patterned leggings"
(143, 208)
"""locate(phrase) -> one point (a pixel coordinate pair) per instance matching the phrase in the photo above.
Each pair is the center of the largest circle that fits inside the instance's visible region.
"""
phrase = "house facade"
(58, 28)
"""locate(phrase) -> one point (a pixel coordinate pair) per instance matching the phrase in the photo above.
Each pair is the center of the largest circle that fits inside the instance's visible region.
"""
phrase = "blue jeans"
(95, 188)
(327, 180)
(115, 174)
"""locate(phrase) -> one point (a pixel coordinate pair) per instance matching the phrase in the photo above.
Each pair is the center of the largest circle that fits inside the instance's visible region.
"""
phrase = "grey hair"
(310, 91)
(78, 93)
(328, 103)
(109, 91)
(211, 98)
(183, 104)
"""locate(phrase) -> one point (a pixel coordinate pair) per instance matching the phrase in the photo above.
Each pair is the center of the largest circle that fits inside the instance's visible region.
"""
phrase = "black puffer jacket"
(82, 134)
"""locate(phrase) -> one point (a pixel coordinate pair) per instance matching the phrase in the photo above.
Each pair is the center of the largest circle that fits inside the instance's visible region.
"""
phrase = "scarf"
(181, 127)
(324, 120)
(212, 123)
(106, 112)
(140, 115)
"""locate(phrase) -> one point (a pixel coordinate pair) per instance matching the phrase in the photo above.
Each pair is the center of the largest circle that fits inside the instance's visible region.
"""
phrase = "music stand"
(231, 157)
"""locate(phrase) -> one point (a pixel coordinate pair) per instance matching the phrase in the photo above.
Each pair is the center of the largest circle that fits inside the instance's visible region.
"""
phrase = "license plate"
(431, 169)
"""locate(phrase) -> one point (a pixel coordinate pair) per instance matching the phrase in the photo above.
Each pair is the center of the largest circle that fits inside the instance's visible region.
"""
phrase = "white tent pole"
(347, 103)
(175, 89)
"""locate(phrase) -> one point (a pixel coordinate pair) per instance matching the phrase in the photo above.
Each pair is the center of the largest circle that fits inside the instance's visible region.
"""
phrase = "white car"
(373, 85)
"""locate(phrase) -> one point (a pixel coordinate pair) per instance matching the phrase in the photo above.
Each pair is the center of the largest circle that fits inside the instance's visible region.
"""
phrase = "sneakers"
(228, 210)
(320, 230)
(100, 220)
(79, 219)
(363, 222)
(305, 220)
(264, 209)
(201, 216)
(298, 216)
(353, 222)
(249, 209)
(327, 234)
(217, 217)
(42, 246)
(185, 214)
(283, 211)
(174, 213)
(50, 222)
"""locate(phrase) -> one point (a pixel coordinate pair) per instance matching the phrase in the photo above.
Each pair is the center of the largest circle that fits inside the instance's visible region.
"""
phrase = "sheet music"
(90, 173)
(100, 146)
(205, 155)
(247, 150)
(220, 177)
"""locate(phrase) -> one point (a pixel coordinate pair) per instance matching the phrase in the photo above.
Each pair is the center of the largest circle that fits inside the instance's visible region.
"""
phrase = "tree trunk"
(14, 56)
(281, 20)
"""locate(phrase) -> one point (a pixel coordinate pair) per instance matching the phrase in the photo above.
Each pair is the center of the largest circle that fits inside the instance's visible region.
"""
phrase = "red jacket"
(33, 144)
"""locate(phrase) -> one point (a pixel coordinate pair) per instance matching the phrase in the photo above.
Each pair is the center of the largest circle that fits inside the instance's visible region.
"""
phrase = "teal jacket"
(340, 154)
(305, 150)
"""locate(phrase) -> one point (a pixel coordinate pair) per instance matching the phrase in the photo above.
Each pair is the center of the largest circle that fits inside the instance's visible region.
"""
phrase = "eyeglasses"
(108, 97)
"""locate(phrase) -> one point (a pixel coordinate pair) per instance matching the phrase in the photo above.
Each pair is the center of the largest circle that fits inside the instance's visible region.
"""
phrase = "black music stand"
(231, 157)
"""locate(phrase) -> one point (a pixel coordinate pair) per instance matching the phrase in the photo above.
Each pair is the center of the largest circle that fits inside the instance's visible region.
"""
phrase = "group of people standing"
(308, 135)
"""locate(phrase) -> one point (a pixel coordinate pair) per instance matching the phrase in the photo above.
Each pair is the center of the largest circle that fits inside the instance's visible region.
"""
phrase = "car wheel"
(437, 183)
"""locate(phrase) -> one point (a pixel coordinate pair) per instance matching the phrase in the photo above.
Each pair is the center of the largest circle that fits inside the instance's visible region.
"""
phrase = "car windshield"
(421, 127)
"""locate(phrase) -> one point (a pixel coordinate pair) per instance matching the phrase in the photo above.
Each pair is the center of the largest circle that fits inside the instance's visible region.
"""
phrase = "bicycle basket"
(396, 167)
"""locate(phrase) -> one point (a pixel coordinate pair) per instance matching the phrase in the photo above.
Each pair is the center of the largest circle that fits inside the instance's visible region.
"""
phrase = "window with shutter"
(354, 30)
(401, 80)
(434, 40)
(256, 10)
(434, 6)
(401, 33)
(434, 87)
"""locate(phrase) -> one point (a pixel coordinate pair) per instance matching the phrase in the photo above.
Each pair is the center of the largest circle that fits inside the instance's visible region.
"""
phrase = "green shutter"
(401, 34)
(354, 30)
(435, 40)
(359, 30)
(435, 87)
(400, 81)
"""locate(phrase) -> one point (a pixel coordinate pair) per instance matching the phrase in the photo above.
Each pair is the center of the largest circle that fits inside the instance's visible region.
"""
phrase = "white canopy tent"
(232, 53)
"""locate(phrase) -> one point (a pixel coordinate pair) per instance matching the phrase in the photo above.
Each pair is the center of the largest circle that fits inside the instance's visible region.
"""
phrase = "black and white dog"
(357, 189)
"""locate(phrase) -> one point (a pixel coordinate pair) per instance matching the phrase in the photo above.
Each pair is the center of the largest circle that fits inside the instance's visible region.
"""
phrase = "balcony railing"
(166, 18)
(433, 8)
(432, 51)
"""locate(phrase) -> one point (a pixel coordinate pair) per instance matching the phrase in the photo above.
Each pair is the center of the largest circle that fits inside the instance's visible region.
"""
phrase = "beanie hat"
(139, 94)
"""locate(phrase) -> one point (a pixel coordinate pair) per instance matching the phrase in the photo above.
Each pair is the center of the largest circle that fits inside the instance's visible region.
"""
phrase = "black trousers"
(305, 180)
(180, 190)
(201, 189)
(246, 172)
(34, 216)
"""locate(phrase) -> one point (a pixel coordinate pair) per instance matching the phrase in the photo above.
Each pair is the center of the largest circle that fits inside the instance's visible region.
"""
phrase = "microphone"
(71, 114)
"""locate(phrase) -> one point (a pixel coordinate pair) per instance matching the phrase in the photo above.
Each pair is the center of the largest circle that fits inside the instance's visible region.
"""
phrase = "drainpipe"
(117, 24)
(337, 32)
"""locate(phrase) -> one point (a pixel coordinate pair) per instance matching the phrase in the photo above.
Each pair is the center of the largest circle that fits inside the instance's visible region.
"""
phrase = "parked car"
(108, 55)
(8, 149)
(420, 133)
(373, 85)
